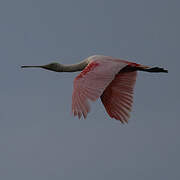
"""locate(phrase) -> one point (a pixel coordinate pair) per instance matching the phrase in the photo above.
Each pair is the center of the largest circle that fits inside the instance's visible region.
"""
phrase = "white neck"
(73, 67)
(62, 68)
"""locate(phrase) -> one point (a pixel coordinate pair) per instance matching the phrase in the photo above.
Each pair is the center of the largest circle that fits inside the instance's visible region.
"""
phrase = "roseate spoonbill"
(104, 77)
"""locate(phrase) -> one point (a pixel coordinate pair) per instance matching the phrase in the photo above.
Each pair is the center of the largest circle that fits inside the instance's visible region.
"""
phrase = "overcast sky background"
(39, 139)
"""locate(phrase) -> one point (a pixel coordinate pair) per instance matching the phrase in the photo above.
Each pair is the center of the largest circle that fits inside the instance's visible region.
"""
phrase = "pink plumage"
(103, 78)
(118, 96)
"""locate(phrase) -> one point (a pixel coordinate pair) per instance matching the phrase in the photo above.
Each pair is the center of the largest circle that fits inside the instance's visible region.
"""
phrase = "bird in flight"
(105, 77)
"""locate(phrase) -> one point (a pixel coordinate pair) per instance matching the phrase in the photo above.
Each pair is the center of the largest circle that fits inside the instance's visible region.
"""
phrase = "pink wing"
(118, 96)
(91, 83)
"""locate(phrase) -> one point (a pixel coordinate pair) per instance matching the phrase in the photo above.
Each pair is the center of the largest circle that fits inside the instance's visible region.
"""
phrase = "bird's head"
(51, 66)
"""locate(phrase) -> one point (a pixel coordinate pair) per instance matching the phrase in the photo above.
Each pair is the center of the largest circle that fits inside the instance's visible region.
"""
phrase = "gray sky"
(39, 139)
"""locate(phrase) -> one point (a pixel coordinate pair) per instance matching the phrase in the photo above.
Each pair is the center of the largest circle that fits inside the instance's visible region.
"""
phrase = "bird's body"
(104, 77)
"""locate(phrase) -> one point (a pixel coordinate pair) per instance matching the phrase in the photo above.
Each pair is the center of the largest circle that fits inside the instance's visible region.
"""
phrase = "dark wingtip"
(156, 70)
(163, 70)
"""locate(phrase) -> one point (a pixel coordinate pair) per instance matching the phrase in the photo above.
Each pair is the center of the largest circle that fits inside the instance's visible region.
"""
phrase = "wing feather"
(118, 96)
(91, 83)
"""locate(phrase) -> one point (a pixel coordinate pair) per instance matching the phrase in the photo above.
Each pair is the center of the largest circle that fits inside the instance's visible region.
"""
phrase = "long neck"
(62, 68)
(73, 67)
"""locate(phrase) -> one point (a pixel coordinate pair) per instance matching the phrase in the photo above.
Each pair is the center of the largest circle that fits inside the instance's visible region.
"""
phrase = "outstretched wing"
(91, 83)
(118, 96)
